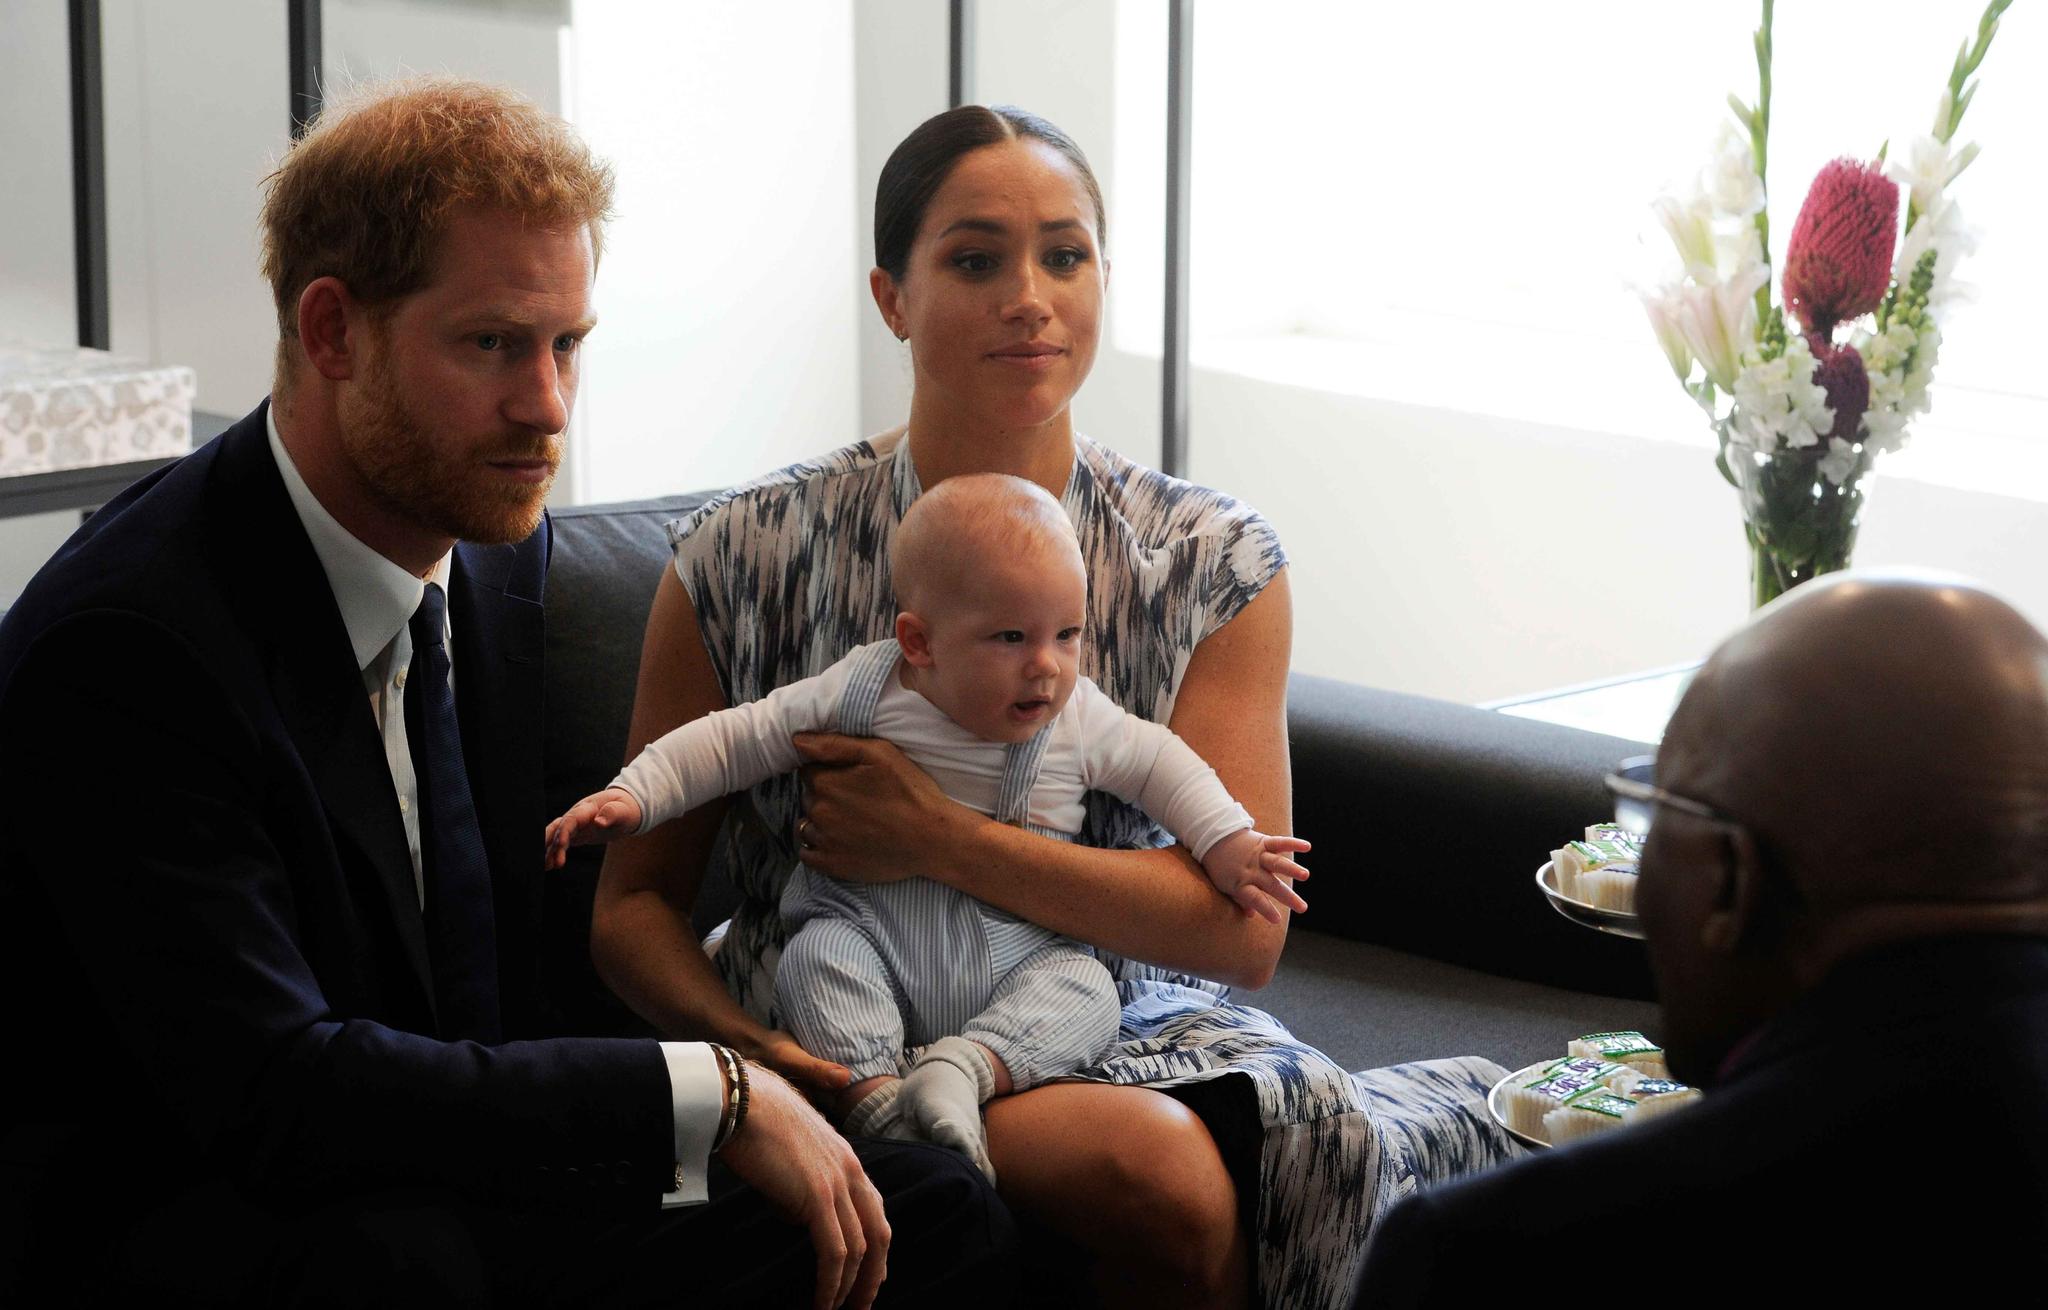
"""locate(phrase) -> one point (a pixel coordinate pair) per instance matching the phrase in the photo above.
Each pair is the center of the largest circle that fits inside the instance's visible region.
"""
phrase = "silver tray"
(1618, 922)
(1496, 1107)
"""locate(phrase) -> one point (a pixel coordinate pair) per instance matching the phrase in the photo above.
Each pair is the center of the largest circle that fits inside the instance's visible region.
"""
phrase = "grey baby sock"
(880, 1114)
(943, 1094)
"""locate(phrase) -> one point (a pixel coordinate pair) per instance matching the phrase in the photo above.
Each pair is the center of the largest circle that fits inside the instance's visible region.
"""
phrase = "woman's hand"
(779, 1051)
(870, 815)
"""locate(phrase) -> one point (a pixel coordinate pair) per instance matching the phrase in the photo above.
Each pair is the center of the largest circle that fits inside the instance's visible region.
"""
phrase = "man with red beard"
(274, 996)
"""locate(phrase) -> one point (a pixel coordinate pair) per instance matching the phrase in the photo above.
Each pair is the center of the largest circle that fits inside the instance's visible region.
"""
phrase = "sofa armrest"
(1429, 821)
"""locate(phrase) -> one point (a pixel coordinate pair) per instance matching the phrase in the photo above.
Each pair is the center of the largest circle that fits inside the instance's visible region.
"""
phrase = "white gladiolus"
(1941, 227)
(1779, 402)
(1718, 322)
(1730, 181)
(1928, 166)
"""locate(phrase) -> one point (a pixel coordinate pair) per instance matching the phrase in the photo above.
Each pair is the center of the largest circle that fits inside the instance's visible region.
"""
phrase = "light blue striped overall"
(871, 970)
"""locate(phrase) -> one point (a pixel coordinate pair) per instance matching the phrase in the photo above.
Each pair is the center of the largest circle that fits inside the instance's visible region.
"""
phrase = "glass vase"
(1799, 524)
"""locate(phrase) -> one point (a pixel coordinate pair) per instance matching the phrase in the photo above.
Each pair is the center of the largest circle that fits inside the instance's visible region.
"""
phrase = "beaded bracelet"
(734, 1112)
(739, 1117)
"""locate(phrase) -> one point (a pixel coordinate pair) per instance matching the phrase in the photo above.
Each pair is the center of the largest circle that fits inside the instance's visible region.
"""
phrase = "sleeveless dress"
(790, 572)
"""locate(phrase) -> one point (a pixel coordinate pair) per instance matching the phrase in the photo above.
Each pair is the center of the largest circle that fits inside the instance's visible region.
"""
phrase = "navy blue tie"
(461, 923)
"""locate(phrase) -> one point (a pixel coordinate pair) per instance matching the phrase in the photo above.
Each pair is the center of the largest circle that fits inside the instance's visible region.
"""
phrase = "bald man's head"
(1880, 746)
(952, 532)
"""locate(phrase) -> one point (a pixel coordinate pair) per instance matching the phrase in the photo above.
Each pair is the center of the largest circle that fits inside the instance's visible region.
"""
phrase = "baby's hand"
(1253, 869)
(606, 816)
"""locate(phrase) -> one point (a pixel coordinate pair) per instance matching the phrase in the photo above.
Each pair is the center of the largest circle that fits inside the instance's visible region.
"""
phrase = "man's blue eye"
(489, 340)
(565, 344)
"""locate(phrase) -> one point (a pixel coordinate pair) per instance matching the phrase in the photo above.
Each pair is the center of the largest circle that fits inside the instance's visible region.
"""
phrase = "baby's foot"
(880, 1114)
(943, 1094)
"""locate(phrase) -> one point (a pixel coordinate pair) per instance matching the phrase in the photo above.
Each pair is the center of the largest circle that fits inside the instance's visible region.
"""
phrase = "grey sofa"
(1425, 934)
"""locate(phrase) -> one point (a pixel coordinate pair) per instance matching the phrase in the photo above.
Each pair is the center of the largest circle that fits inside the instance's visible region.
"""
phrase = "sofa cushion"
(606, 562)
(1429, 820)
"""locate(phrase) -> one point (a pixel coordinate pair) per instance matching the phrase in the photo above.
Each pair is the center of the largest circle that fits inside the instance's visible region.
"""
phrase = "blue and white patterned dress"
(790, 572)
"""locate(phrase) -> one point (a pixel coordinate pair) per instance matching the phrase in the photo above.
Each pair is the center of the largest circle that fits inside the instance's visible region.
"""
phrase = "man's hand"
(1253, 870)
(600, 817)
(792, 1157)
(870, 815)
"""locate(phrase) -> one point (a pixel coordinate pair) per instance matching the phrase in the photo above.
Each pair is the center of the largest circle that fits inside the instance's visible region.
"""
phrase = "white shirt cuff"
(697, 1090)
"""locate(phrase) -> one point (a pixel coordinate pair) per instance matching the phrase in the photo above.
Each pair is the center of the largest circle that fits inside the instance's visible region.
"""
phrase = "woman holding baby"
(1211, 1159)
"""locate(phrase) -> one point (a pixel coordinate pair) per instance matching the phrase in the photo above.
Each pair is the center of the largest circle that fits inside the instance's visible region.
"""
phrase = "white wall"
(899, 69)
(1435, 549)
(730, 287)
(730, 293)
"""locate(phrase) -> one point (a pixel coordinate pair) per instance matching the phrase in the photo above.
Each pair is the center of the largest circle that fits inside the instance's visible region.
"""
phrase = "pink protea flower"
(1838, 263)
(1839, 371)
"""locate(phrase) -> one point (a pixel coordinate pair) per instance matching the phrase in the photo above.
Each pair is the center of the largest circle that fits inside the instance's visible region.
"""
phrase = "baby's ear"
(914, 639)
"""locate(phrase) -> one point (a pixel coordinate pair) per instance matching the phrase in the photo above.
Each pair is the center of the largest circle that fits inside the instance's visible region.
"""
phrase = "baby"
(980, 688)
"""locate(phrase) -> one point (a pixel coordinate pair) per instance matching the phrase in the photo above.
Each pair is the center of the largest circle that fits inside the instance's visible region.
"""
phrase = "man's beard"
(450, 491)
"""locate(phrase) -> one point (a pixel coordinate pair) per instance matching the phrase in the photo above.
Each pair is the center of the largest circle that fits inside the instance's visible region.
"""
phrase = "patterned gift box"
(74, 408)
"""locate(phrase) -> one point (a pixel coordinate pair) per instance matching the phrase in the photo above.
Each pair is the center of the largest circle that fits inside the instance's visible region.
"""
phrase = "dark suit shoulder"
(154, 550)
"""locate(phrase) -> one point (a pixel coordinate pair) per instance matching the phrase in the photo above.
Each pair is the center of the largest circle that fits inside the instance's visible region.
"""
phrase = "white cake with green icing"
(1606, 846)
(1529, 1099)
(1629, 1048)
(1653, 1096)
(1587, 1114)
(1608, 1081)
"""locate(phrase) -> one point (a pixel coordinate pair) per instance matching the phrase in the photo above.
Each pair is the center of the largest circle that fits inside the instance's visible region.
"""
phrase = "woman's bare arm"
(876, 817)
(640, 934)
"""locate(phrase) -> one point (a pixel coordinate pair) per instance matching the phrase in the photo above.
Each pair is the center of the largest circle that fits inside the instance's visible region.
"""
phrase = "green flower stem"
(1759, 121)
(1798, 524)
(1961, 91)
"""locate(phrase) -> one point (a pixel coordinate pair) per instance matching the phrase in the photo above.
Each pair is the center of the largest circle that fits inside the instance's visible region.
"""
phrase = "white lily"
(1664, 312)
(1690, 225)
(1718, 322)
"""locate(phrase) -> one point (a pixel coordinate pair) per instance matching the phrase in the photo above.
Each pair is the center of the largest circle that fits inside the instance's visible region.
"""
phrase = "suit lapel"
(314, 680)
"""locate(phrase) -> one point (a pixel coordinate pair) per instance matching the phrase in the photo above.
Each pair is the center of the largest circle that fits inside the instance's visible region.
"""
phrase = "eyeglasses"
(1636, 798)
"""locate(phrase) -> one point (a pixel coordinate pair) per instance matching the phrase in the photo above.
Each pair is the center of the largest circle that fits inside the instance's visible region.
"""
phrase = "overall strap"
(1021, 762)
(863, 689)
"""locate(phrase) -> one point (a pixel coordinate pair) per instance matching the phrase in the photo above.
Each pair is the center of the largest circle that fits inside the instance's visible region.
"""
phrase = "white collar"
(376, 596)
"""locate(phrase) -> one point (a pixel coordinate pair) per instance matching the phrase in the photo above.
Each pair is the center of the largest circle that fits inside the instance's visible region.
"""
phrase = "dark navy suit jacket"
(1886, 1138)
(214, 959)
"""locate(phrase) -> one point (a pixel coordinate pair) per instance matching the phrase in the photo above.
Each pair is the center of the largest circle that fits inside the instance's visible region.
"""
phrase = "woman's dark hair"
(925, 159)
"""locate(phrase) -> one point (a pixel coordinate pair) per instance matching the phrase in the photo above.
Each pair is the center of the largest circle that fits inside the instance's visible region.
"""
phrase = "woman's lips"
(1032, 358)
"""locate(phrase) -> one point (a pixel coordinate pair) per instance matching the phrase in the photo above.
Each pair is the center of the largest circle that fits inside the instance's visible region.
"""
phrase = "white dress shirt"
(377, 599)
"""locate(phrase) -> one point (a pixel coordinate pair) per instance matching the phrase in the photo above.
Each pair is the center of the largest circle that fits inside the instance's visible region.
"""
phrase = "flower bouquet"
(1805, 395)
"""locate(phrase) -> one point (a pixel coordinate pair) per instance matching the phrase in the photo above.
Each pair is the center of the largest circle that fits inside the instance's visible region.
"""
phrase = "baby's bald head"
(953, 532)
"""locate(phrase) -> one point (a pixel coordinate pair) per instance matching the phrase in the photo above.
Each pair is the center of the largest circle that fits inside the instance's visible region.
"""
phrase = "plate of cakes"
(1604, 1083)
(1593, 882)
